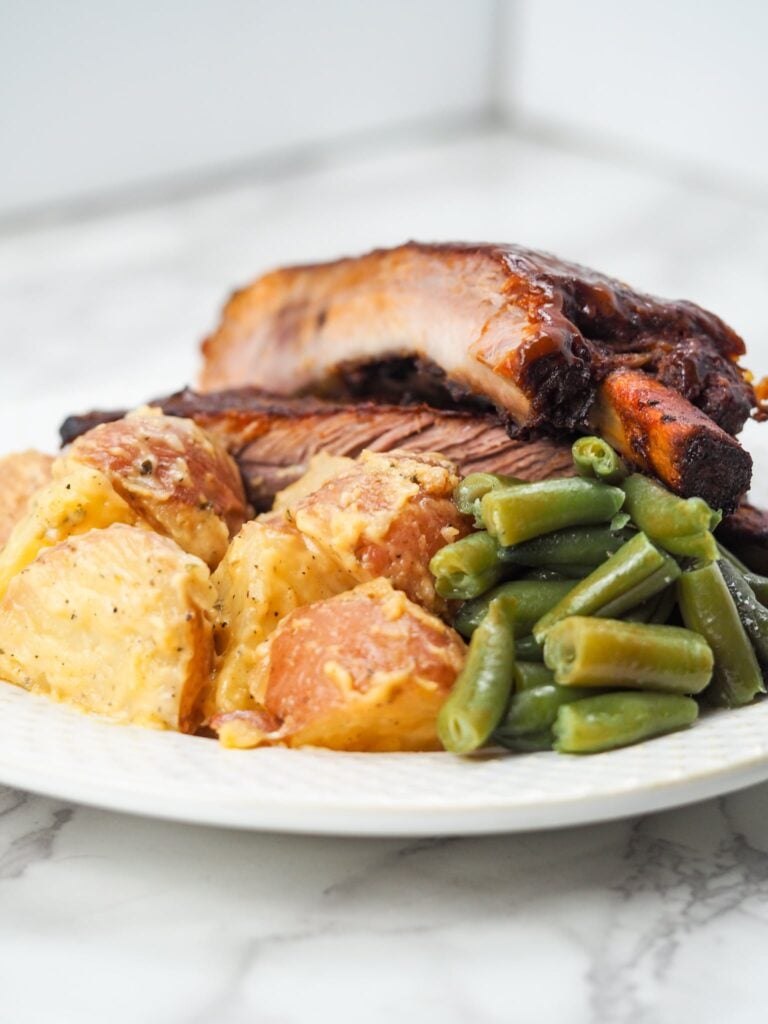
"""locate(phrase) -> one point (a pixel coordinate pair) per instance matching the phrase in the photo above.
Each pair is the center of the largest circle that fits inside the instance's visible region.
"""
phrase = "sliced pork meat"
(272, 439)
(545, 343)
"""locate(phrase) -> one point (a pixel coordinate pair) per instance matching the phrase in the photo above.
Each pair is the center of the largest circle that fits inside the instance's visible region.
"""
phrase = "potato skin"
(386, 517)
(118, 622)
(174, 475)
(367, 670)
(269, 570)
(21, 474)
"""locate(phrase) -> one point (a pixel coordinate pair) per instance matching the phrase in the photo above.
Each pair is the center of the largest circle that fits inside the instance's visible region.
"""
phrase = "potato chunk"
(173, 474)
(322, 467)
(77, 499)
(21, 474)
(386, 517)
(366, 670)
(269, 571)
(115, 621)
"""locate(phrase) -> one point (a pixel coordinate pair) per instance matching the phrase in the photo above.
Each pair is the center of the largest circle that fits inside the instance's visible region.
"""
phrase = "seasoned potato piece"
(387, 517)
(269, 571)
(77, 499)
(21, 474)
(116, 621)
(322, 467)
(175, 476)
(366, 670)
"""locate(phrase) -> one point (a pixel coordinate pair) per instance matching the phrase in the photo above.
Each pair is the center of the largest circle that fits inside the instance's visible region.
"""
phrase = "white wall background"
(100, 96)
(677, 80)
(107, 98)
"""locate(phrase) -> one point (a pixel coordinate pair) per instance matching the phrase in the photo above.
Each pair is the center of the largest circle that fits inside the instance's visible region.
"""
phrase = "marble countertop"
(105, 917)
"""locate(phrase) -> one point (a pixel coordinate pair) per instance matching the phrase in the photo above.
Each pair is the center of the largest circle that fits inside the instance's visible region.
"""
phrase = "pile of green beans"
(600, 611)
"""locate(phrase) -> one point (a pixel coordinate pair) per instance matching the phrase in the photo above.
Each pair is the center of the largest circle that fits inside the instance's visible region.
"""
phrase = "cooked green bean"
(681, 526)
(480, 695)
(700, 546)
(574, 571)
(468, 567)
(655, 609)
(578, 545)
(544, 575)
(594, 457)
(617, 719)
(535, 710)
(708, 608)
(515, 514)
(728, 556)
(584, 651)
(527, 648)
(472, 488)
(754, 617)
(531, 674)
(665, 606)
(653, 584)
(533, 598)
(758, 583)
(622, 574)
(530, 743)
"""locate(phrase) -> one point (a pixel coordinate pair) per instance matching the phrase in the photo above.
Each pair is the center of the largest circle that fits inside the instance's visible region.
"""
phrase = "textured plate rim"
(83, 783)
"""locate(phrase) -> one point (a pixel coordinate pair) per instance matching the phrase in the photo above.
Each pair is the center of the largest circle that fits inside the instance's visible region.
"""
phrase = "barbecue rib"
(546, 344)
(273, 438)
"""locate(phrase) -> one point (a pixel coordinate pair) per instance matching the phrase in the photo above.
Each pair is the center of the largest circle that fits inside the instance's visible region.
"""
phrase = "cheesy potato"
(321, 468)
(366, 670)
(149, 470)
(118, 622)
(76, 500)
(316, 627)
(386, 517)
(21, 474)
(270, 570)
(175, 476)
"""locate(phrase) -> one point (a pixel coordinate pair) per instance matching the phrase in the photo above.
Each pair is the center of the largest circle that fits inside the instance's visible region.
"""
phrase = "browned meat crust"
(522, 331)
(746, 534)
(669, 438)
(273, 438)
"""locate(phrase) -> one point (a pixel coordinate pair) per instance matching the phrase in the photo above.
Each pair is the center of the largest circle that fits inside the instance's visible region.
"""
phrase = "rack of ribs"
(542, 346)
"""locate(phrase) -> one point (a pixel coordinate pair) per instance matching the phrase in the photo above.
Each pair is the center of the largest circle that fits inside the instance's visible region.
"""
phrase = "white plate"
(51, 749)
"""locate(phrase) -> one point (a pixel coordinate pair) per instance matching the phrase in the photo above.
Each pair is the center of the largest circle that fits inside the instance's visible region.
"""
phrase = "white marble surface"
(112, 918)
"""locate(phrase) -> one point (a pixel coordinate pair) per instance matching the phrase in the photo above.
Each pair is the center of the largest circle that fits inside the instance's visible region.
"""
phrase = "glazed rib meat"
(546, 345)
(273, 438)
